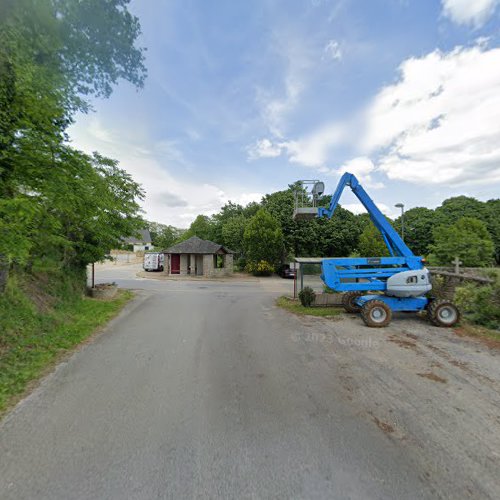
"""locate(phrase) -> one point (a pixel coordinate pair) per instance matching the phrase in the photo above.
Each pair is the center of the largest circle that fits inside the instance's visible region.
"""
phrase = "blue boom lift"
(377, 286)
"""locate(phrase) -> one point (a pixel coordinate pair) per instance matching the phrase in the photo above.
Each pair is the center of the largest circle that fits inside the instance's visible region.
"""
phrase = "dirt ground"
(426, 387)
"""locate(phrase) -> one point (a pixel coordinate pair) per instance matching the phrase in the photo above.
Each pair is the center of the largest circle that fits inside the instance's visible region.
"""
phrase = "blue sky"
(243, 98)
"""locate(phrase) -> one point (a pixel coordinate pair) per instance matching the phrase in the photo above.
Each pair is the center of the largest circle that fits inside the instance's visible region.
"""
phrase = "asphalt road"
(200, 390)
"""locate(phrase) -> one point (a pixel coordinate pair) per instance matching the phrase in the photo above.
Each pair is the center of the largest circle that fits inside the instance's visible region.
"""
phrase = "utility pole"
(402, 207)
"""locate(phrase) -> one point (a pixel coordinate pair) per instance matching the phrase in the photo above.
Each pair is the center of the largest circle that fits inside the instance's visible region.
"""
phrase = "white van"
(153, 261)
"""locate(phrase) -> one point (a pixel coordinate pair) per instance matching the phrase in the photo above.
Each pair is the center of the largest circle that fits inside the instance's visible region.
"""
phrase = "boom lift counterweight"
(400, 282)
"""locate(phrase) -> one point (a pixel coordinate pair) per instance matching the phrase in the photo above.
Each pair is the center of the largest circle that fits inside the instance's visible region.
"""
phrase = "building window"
(219, 261)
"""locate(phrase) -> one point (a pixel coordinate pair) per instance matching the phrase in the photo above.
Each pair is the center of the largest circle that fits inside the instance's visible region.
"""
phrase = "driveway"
(206, 390)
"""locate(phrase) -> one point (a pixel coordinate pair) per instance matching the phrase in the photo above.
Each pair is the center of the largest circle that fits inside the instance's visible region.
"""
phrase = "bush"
(480, 304)
(307, 296)
(240, 264)
(261, 268)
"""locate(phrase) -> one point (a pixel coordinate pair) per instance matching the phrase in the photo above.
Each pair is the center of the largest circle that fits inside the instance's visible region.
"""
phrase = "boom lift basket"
(306, 199)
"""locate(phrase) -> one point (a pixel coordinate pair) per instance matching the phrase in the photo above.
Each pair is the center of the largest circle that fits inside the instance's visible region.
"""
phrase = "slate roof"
(196, 245)
(144, 237)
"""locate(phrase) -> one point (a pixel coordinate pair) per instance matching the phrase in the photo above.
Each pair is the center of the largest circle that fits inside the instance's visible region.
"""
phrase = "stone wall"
(202, 265)
(210, 271)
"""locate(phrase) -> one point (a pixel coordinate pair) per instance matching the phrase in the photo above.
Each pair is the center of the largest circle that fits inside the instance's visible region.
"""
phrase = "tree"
(228, 211)
(280, 206)
(493, 224)
(371, 243)
(263, 238)
(300, 237)
(338, 236)
(163, 236)
(468, 239)
(419, 223)
(57, 203)
(202, 227)
(453, 209)
(233, 232)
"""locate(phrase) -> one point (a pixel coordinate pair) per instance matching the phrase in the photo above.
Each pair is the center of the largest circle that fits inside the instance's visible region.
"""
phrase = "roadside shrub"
(438, 287)
(240, 264)
(261, 268)
(307, 296)
(480, 304)
(327, 289)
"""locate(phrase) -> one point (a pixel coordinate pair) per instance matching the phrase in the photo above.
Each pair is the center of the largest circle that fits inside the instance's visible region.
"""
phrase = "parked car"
(153, 261)
(286, 271)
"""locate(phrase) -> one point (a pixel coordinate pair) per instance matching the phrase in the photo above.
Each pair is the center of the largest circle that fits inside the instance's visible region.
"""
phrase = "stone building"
(198, 257)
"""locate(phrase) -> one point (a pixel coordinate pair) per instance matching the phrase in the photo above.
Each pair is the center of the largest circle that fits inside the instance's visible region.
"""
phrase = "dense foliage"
(468, 239)
(347, 234)
(371, 243)
(263, 238)
(163, 236)
(58, 206)
(481, 304)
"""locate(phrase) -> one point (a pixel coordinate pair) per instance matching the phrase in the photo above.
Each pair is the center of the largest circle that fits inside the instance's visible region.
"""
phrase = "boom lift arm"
(393, 241)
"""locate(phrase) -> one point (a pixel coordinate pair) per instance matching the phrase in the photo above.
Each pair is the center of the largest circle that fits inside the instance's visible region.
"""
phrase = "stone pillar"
(208, 264)
(228, 263)
(184, 263)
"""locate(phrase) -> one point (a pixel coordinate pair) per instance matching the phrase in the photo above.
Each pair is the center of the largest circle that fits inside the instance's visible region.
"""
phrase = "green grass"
(36, 329)
(296, 307)
(469, 329)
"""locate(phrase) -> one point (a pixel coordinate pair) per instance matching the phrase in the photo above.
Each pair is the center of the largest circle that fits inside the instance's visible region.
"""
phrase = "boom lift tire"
(376, 313)
(443, 313)
(348, 303)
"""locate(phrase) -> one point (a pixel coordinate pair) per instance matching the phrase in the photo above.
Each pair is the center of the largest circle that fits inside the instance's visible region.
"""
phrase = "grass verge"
(296, 307)
(487, 336)
(31, 341)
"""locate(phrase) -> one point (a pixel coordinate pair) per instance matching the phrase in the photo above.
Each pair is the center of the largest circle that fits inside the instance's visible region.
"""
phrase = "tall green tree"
(419, 223)
(263, 238)
(453, 209)
(493, 224)
(468, 239)
(227, 212)
(371, 243)
(162, 235)
(338, 236)
(202, 227)
(54, 56)
(233, 232)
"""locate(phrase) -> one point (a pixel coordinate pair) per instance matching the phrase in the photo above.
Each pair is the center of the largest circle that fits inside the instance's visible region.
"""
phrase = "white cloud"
(333, 51)
(169, 199)
(314, 149)
(311, 150)
(441, 122)
(471, 12)
(362, 167)
(245, 198)
(264, 148)
(358, 208)
(438, 124)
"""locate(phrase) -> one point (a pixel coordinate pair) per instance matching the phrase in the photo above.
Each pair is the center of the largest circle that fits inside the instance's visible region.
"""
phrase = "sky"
(243, 98)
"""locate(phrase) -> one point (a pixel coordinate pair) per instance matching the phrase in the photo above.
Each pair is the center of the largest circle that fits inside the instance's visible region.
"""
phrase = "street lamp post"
(402, 207)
